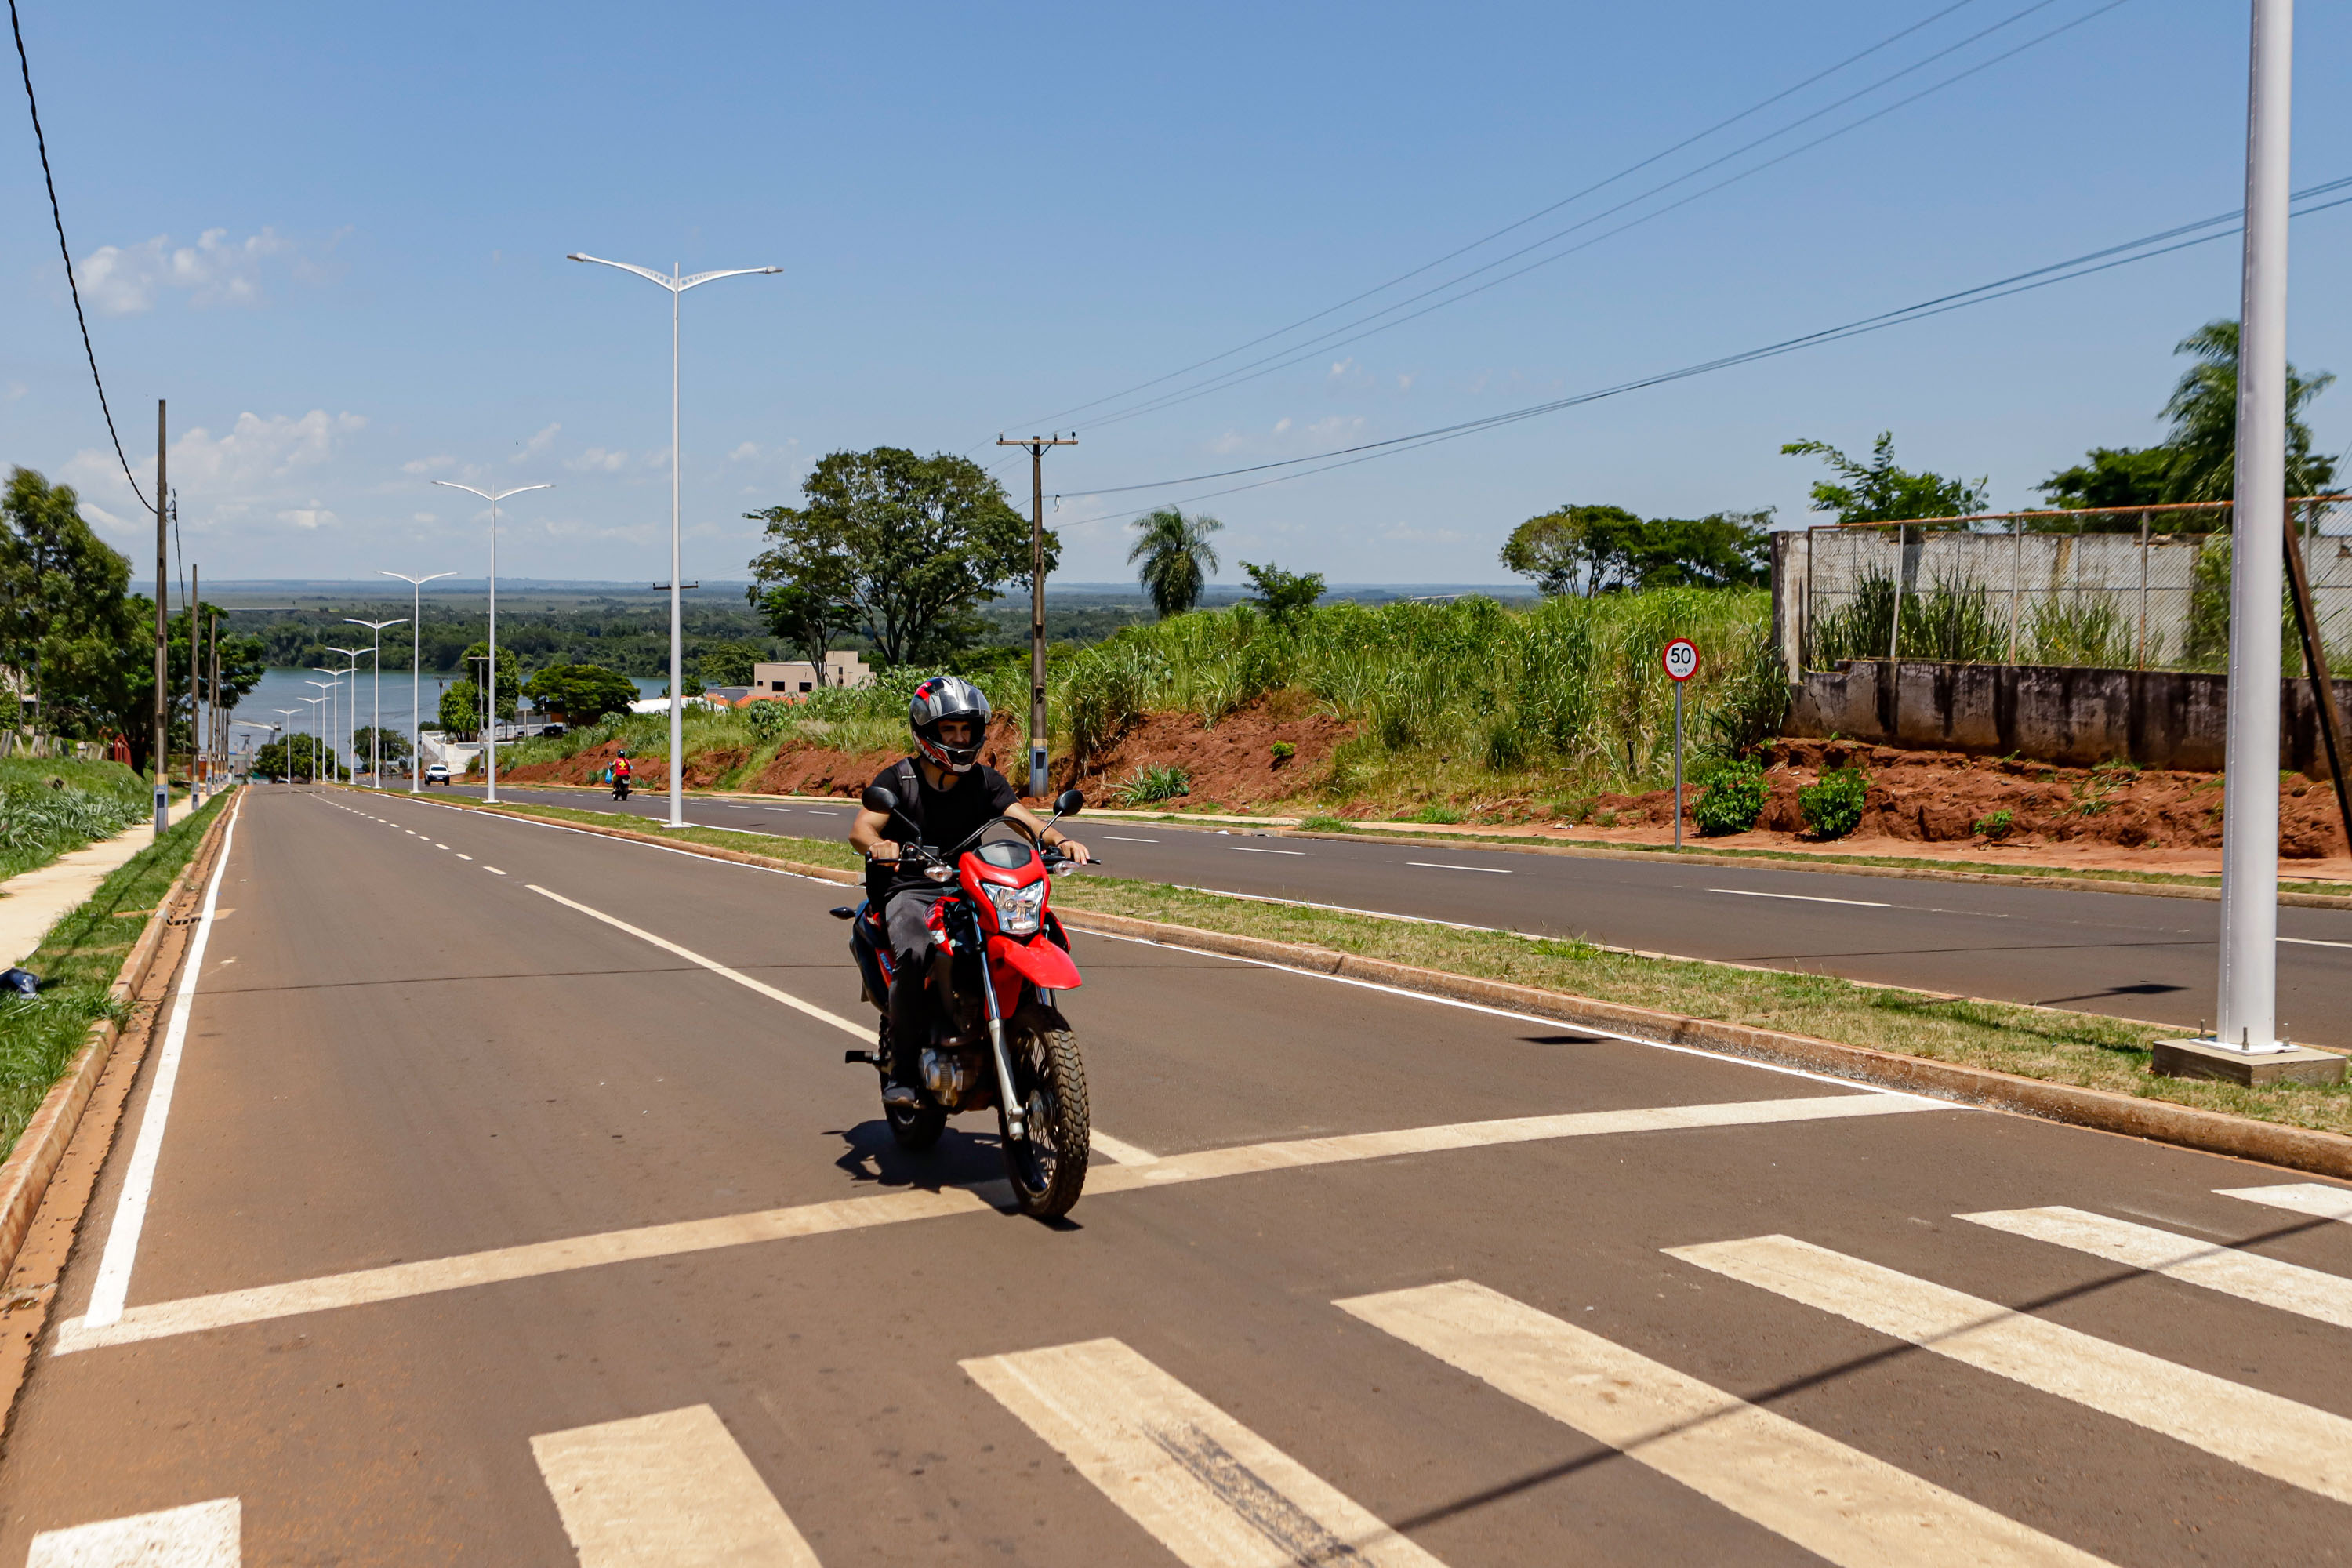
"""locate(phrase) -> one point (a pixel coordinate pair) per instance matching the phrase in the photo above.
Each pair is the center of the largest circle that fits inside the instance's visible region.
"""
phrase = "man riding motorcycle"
(946, 792)
(621, 772)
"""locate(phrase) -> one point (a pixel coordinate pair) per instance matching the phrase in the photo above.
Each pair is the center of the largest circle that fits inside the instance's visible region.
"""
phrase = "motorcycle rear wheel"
(1047, 1165)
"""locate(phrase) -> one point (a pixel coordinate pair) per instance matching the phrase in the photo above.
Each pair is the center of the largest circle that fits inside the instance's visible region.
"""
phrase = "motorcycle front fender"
(1040, 963)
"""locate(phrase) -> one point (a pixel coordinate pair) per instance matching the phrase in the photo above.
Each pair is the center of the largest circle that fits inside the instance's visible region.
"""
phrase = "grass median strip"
(77, 962)
(2084, 1050)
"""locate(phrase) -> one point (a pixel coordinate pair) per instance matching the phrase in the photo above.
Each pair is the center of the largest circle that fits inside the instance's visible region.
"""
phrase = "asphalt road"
(484, 1230)
(2121, 953)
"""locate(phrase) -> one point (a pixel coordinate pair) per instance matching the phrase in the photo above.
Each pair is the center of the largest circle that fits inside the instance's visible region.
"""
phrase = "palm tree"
(1177, 558)
(2204, 415)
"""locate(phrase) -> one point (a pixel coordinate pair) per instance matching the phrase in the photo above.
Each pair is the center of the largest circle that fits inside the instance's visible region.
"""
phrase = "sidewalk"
(31, 903)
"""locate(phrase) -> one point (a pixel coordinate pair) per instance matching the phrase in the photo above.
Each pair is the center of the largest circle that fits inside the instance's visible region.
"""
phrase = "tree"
(290, 756)
(509, 676)
(582, 693)
(461, 709)
(1176, 557)
(2203, 409)
(394, 743)
(1567, 550)
(1283, 595)
(1879, 491)
(722, 663)
(912, 545)
(1723, 549)
(2112, 477)
(65, 615)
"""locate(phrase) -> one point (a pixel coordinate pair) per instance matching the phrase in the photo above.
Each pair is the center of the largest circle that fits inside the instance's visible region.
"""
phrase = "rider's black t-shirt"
(946, 817)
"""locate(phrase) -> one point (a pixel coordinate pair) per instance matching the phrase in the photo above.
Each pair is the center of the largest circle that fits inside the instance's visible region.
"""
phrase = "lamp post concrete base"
(2212, 1060)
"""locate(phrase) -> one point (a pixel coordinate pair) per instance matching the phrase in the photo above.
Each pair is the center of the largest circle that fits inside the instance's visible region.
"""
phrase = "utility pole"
(1037, 445)
(196, 690)
(163, 633)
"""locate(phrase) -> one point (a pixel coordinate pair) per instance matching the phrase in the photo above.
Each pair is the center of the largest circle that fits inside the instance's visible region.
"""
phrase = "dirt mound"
(1232, 763)
(1950, 797)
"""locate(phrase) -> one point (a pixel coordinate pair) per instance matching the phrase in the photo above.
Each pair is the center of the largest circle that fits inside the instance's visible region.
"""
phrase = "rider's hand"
(883, 850)
(1076, 851)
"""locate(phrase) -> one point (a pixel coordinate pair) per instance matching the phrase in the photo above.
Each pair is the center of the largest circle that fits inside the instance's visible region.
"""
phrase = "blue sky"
(333, 236)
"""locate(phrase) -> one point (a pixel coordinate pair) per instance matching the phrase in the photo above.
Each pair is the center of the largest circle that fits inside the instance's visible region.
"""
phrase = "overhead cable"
(57, 217)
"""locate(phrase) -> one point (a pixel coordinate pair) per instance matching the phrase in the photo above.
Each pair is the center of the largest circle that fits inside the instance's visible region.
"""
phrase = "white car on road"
(437, 773)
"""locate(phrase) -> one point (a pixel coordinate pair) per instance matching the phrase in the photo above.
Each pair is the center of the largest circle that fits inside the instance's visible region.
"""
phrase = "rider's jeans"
(907, 915)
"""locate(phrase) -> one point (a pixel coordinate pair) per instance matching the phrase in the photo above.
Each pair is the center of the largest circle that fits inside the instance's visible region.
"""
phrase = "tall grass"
(51, 806)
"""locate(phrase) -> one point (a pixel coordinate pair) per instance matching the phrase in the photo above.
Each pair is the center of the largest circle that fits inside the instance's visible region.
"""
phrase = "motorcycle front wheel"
(1048, 1164)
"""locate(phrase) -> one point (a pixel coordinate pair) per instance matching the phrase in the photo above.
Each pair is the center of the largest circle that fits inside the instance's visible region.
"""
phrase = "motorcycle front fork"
(1015, 1120)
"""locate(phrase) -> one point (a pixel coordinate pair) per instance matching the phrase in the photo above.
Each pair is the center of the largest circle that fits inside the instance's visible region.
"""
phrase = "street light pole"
(677, 284)
(376, 725)
(2248, 1015)
(1037, 445)
(490, 767)
(352, 715)
(287, 729)
(314, 702)
(415, 684)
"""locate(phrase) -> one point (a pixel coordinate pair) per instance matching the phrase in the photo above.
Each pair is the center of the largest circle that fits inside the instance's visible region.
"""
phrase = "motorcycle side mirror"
(879, 798)
(1068, 803)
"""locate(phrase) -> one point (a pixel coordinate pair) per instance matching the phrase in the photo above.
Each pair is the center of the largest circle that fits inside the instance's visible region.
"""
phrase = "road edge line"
(2101, 1110)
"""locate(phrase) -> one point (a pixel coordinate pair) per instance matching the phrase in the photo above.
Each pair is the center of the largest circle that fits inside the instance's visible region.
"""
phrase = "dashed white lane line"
(200, 1535)
(443, 846)
(494, 871)
(672, 1490)
(113, 1284)
(2265, 1433)
(1443, 866)
(2298, 1197)
(2249, 1276)
(1208, 1489)
(1803, 898)
(1123, 838)
(464, 857)
(400, 1281)
(2312, 941)
(1247, 850)
(1126, 1153)
(1835, 1502)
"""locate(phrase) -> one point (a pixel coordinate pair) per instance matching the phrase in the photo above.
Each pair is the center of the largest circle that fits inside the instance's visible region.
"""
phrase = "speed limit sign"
(1681, 658)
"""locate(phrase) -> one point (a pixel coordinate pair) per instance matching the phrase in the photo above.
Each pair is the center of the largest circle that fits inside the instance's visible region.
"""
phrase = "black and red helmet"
(948, 697)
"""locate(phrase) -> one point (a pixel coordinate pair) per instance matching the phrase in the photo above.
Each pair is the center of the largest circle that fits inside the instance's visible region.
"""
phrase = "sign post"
(1681, 659)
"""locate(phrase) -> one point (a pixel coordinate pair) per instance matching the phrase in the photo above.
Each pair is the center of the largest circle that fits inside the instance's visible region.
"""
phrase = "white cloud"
(1280, 425)
(749, 452)
(596, 460)
(537, 443)
(123, 280)
(1335, 427)
(422, 517)
(249, 474)
(309, 518)
(422, 466)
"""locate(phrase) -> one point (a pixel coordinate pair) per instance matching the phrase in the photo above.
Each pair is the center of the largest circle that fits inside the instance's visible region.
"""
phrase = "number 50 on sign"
(1681, 658)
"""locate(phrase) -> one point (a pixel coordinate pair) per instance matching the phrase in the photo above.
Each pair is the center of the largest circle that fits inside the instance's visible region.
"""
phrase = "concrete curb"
(2161, 1121)
(24, 1178)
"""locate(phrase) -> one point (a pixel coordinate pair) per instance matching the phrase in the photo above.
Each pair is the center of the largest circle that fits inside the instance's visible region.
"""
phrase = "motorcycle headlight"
(1017, 908)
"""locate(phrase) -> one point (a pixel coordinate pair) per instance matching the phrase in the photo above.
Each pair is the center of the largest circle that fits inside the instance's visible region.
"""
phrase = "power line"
(57, 217)
(2146, 248)
(1315, 347)
(1756, 108)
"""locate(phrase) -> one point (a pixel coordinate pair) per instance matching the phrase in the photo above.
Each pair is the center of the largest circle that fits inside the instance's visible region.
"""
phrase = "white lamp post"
(228, 743)
(490, 765)
(416, 688)
(314, 702)
(351, 713)
(286, 730)
(376, 725)
(677, 284)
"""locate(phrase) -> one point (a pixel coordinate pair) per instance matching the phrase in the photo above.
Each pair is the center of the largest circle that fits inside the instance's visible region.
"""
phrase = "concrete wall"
(2065, 714)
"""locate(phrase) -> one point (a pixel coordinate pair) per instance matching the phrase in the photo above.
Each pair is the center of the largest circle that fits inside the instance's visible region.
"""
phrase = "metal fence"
(2042, 588)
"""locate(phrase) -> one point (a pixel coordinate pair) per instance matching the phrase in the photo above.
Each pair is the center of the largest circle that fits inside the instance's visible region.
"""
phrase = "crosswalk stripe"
(2247, 1275)
(2276, 1436)
(672, 1490)
(200, 1535)
(2298, 1197)
(1833, 1500)
(1207, 1487)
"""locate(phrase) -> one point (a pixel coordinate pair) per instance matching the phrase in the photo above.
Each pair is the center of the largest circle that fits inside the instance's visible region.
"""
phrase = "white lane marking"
(2263, 1432)
(113, 1284)
(1208, 1489)
(1123, 838)
(672, 1490)
(1126, 1153)
(494, 871)
(639, 843)
(2312, 941)
(200, 1535)
(444, 846)
(431, 1276)
(2298, 1197)
(1247, 850)
(1835, 1502)
(464, 857)
(1802, 898)
(2247, 1275)
(1442, 866)
(712, 964)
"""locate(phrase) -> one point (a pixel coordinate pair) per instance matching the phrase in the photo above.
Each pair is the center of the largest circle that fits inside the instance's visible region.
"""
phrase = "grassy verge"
(2081, 1048)
(77, 962)
(52, 805)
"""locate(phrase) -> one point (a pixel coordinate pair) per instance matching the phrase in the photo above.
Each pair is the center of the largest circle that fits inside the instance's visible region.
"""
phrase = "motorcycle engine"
(948, 1076)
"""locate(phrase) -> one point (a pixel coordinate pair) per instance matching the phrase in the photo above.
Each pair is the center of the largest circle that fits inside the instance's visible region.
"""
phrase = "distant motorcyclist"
(621, 772)
(946, 793)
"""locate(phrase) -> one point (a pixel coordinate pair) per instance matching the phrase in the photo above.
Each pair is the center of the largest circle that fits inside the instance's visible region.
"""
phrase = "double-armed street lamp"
(286, 730)
(352, 714)
(490, 734)
(677, 283)
(314, 702)
(376, 725)
(415, 686)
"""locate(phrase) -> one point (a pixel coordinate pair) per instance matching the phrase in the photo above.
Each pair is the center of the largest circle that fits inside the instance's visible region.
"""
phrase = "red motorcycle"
(999, 961)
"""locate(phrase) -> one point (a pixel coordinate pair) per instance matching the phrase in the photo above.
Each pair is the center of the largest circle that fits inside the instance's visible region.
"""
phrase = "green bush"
(1437, 814)
(1997, 824)
(1832, 807)
(1149, 784)
(1733, 801)
(1284, 750)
